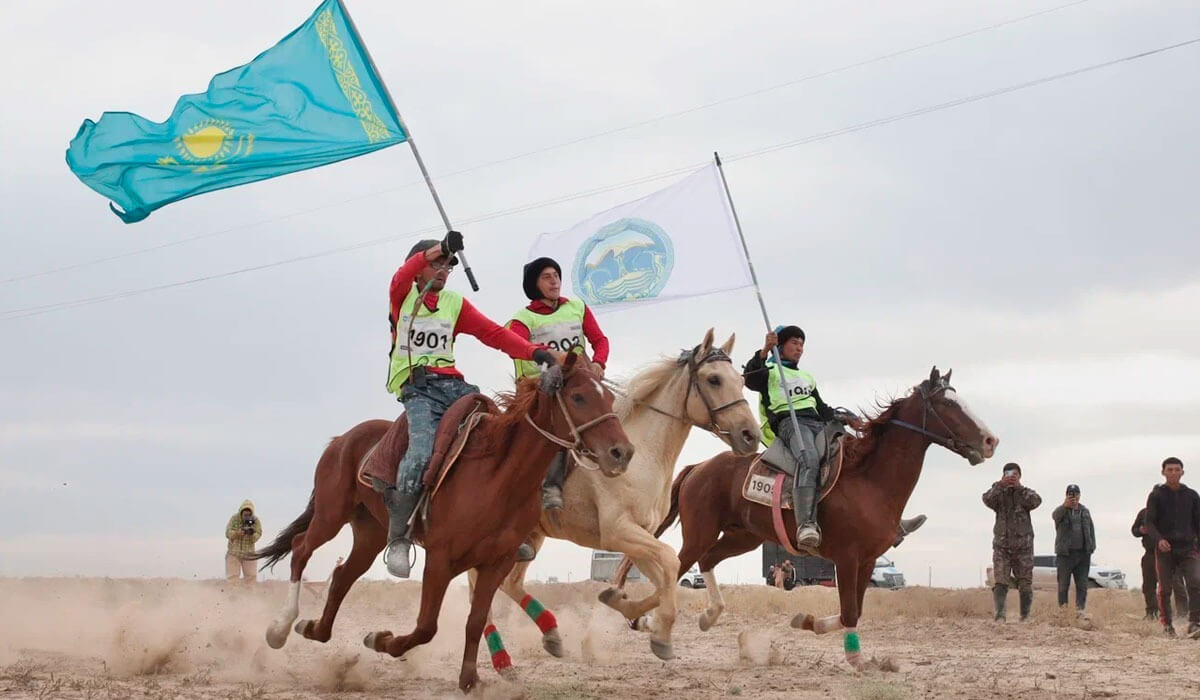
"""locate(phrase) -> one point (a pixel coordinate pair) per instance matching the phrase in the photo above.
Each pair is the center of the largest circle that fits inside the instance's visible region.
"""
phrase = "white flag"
(678, 242)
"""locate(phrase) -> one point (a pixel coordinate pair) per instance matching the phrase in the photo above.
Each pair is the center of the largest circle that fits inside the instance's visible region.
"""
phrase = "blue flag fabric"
(310, 100)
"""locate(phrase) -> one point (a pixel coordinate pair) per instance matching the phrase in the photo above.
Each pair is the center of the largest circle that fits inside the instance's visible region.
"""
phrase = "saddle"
(776, 462)
(378, 467)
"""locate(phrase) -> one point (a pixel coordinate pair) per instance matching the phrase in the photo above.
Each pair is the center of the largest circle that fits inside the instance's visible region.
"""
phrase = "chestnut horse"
(485, 508)
(698, 388)
(858, 518)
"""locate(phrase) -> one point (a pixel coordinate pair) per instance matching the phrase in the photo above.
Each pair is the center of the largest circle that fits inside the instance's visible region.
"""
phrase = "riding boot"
(1026, 605)
(400, 508)
(552, 485)
(1000, 598)
(907, 527)
(804, 506)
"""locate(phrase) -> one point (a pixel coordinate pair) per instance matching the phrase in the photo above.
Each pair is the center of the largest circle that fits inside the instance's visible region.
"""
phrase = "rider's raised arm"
(472, 322)
(402, 281)
(595, 337)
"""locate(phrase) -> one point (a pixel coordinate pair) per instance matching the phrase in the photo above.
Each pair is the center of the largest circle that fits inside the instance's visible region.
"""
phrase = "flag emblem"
(209, 144)
(626, 260)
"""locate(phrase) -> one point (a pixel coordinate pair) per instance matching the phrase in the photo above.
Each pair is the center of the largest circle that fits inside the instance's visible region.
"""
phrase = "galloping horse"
(858, 518)
(486, 506)
(699, 388)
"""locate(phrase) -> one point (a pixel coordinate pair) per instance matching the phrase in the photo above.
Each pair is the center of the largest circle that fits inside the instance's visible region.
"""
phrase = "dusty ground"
(104, 638)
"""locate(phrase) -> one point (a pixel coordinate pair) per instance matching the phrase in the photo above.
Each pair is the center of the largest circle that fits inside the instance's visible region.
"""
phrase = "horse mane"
(644, 384)
(514, 406)
(858, 449)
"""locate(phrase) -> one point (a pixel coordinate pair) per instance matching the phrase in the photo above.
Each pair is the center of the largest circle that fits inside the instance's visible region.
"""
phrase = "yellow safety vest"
(561, 330)
(427, 340)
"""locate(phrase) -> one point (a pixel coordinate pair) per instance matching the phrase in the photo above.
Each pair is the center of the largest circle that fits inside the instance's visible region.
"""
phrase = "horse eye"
(715, 381)
(577, 398)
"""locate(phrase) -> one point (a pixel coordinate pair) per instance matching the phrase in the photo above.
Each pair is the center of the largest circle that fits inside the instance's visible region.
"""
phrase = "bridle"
(688, 357)
(578, 447)
(950, 441)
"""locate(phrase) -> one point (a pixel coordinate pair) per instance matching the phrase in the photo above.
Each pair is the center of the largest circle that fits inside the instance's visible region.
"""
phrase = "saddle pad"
(379, 464)
(760, 480)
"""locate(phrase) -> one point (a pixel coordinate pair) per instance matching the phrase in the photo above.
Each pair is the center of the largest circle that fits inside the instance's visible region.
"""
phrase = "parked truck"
(809, 571)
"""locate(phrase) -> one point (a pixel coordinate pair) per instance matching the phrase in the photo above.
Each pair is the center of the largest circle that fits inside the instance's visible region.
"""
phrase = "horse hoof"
(705, 621)
(804, 621)
(302, 626)
(553, 643)
(377, 641)
(609, 596)
(276, 638)
(467, 681)
(662, 650)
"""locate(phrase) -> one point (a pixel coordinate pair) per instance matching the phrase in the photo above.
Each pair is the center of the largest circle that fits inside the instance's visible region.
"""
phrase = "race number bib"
(797, 388)
(558, 336)
(426, 336)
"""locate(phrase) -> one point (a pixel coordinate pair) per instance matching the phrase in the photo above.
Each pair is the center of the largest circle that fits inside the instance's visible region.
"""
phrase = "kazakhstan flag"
(312, 99)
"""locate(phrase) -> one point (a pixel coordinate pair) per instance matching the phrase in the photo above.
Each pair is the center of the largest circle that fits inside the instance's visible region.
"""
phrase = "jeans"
(1167, 564)
(803, 447)
(1075, 564)
(425, 402)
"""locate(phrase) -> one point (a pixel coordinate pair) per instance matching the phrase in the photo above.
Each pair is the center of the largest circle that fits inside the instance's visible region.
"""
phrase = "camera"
(248, 523)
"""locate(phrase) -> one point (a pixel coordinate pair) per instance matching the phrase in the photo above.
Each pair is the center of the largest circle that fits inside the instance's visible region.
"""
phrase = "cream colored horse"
(699, 388)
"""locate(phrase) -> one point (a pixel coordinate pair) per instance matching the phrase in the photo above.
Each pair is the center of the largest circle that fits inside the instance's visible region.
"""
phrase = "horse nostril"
(748, 436)
(990, 441)
(617, 454)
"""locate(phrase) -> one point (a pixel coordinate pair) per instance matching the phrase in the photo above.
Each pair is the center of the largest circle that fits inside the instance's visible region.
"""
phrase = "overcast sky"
(1042, 243)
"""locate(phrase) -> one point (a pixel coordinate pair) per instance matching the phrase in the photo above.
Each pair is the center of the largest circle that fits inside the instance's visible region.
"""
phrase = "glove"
(543, 357)
(452, 243)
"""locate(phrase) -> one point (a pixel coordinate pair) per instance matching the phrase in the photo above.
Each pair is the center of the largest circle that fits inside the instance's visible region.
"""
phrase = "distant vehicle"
(552, 579)
(604, 565)
(1045, 575)
(886, 575)
(693, 579)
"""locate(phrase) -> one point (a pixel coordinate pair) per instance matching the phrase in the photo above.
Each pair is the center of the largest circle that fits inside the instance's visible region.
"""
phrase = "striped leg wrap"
(542, 617)
(500, 658)
(851, 644)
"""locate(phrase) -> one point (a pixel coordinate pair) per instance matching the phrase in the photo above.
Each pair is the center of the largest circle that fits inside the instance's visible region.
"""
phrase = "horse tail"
(673, 513)
(282, 546)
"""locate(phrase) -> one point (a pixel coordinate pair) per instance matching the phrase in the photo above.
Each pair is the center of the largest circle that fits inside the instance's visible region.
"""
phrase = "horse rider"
(562, 324)
(799, 390)
(425, 319)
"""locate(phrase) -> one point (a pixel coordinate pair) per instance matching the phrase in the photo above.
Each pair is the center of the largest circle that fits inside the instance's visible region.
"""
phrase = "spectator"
(1012, 539)
(1150, 574)
(1074, 542)
(242, 531)
(1173, 522)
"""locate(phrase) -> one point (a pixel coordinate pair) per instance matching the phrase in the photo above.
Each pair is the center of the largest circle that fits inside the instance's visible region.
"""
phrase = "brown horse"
(482, 512)
(858, 518)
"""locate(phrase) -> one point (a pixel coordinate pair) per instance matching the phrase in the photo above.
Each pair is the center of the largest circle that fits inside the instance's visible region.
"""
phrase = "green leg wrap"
(851, 643)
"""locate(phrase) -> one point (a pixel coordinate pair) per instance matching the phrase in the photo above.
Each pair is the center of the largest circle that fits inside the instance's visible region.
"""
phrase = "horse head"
(586, 408)
(714, 400)
(946, 419)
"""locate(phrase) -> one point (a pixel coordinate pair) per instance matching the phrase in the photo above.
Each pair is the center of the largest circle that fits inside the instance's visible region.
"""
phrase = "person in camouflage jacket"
(1012, 539)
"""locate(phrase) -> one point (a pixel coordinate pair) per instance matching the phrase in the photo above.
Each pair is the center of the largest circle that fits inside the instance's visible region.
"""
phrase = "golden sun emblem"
(209, 143)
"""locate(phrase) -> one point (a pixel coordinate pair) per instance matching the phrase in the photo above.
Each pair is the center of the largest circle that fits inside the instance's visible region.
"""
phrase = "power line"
(745, 155)
(547, 149)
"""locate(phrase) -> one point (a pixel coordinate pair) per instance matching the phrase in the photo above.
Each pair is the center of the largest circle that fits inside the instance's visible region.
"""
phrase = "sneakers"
(552, 499)
(1194, 630)
(808, 535)
(397, 558)
(526, 552)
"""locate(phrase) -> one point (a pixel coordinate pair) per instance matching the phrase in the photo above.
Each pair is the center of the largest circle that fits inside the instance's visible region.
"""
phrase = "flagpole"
(387, 95)
(758, 291)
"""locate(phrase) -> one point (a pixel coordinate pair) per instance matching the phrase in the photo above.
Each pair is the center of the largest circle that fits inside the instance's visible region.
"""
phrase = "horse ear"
(706, 345)
(934, 375)
(572, 358)
(947, 377)
(727, 347)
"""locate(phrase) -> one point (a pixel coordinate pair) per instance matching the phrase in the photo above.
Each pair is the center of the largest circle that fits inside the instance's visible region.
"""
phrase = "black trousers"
(1168, 563)
(1074, 564)
(1150, 586)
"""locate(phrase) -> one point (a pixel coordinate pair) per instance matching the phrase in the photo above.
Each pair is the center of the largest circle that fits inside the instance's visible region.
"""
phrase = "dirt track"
(102, 638)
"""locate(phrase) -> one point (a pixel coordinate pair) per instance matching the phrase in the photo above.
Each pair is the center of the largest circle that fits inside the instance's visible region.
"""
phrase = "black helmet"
(532, 271)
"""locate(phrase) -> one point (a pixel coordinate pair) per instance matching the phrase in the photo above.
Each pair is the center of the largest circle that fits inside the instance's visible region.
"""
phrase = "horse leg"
(369, 539)
(323, 527)
(514, 587)
(433, 589)
(501, 661)
(660, 564)
(850, 592)
(731, 544)
(487, 580)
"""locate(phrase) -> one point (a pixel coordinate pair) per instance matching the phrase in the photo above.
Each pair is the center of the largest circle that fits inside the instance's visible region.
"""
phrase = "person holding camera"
(242, 531)
(426, 318)
(1074, 542)
(1012, 539)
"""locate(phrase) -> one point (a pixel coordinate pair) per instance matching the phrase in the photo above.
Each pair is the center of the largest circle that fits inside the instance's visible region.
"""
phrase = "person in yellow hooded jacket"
(243, 530)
